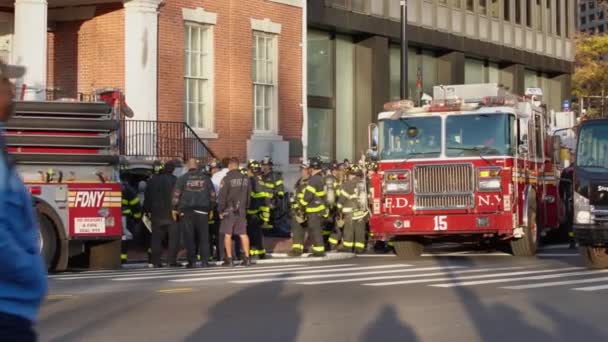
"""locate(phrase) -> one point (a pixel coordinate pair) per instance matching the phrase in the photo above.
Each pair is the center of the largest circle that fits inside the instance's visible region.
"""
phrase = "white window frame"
(199, 18)
(266, 30)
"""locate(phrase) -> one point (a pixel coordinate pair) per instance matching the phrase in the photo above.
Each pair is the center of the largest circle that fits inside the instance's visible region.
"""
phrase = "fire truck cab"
(475, 164)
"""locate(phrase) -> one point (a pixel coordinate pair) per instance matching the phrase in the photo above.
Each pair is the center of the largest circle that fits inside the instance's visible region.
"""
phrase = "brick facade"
(233, 60)
(86, 55)
(89, 54)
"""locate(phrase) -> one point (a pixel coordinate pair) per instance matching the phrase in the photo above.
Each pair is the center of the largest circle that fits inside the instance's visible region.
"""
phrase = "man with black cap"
(158, 207)
(193, 199)
(312, 200)
(23, 282)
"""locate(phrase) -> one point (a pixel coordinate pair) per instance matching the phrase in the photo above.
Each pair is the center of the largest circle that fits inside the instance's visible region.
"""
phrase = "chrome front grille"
(599, 215)
(444, 186)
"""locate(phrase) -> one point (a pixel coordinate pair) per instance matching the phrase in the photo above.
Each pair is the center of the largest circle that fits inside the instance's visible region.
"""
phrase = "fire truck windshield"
(592, 149)
(410, 138)
(479, 135)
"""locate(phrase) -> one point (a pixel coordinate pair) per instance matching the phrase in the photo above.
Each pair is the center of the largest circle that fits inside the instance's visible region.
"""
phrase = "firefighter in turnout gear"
(273, 183)
(353, 206)
(131, 214)
(259, 200)
(312, 201)
(333, 182)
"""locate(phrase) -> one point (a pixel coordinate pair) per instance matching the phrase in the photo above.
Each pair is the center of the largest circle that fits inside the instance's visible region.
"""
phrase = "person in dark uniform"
(158, 206)
(273, 182)
(234, 198)
(312, 200)
(193, 199)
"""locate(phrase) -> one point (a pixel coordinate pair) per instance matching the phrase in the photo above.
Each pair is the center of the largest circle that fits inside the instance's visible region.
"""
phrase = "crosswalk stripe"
(560, 283)
(494, 281)
(242, 276)
(354, 280)
(176, 272)
(253, 270)
(287, 278)
(593, 288)
(494, 275)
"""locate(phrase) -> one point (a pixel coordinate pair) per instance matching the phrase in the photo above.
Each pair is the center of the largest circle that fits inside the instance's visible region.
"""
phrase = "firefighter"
(131, 214)
(193, 199)
(256, 203)
(312, 200)
(298, 212)
(333, 228)
(353, 204)
(275, 192)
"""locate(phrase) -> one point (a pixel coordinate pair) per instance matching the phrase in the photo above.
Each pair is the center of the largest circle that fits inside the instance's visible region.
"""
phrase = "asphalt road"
(446, 296)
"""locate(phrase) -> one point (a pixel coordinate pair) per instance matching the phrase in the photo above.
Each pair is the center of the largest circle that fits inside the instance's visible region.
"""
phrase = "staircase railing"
(163, 140)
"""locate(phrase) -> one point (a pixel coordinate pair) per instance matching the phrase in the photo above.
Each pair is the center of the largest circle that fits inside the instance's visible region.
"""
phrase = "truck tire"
(408, 248)
(48, 241)
(528, 244)
(595, 257)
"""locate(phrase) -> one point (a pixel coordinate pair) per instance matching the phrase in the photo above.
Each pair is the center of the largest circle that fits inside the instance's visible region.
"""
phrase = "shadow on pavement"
(497, 322)
(241, 318)
(387, 328)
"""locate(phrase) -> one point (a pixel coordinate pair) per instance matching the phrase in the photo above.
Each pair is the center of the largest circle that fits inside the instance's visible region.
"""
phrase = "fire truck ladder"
(70, 133)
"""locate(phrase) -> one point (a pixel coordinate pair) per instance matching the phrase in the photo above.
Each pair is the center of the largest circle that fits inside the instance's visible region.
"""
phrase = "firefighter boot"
(228, 263)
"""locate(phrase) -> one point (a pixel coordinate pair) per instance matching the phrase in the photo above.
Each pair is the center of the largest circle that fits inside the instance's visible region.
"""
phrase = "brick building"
(231, 69)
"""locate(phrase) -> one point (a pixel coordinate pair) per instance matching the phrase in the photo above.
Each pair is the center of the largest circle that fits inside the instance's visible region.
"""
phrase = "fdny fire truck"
(67, 153)
(477, 164)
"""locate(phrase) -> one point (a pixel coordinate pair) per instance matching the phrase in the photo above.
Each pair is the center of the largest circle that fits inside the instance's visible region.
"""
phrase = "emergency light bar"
(398, 105)
(450, 105)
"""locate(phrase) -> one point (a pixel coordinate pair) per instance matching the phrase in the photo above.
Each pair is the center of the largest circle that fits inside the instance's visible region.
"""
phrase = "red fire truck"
(67, 153)
(476, 164)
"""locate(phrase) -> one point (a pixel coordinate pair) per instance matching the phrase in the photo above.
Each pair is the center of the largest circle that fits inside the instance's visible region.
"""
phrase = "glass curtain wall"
(423, 62)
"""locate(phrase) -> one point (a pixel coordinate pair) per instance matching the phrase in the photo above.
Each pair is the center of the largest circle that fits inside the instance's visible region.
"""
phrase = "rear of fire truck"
(469, 167)
(67, 153)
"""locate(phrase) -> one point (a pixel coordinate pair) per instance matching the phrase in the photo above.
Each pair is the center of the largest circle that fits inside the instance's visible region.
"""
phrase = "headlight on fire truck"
(582, 209)
(488, 179)
(397, 182)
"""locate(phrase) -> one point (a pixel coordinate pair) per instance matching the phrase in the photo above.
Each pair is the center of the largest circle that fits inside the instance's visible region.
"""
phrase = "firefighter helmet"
(355, 170)
(267, 161)
(315, 163)
(254, 166)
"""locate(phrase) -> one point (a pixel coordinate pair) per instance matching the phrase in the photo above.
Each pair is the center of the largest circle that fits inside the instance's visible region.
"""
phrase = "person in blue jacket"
(23, 282)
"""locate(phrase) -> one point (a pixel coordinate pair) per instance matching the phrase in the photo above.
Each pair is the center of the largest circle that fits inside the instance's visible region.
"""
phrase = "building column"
(450, 68)
(30, 45)
(141, 55)
(513, 77)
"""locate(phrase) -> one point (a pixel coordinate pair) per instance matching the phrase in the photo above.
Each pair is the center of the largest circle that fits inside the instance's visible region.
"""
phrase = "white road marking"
(219, 273)
(494, 281)
(494, 275)
(173, 272)
(306, 271)
(557, 255)
(593, 288)
(559, 283)
(467, 254)
(353, 280)
(267, 280)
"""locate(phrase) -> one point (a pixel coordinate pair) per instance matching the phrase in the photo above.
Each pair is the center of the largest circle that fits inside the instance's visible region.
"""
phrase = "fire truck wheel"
(47, 239)
(408, 249)
(595, 257)
(528, 244)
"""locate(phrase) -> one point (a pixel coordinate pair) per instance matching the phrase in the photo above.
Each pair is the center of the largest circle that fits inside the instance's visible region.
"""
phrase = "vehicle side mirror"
(557, 149)
(372, 137)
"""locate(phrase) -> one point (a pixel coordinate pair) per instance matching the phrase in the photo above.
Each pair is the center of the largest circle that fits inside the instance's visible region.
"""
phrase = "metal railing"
(163, 140)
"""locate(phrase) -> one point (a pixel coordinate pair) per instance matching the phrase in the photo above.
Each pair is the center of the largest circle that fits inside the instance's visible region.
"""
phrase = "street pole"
(404, 88)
